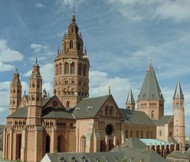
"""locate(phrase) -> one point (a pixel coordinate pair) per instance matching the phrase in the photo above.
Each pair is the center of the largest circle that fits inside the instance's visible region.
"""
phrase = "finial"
(85, 51)
(150, 60)
(109, 90)
(73, 17)
(74, 3)
(58, 50)
(36, 60)
(16, 70)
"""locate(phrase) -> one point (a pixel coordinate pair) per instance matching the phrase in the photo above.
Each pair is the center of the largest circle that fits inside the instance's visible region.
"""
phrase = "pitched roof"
(133, 143)
(52, 112)
(179, 155)
(89, 107)
(136, 117)
(178, 92)
(136, 154)
(130, 98)
(163, 120)
(19, 113)
(150, 88)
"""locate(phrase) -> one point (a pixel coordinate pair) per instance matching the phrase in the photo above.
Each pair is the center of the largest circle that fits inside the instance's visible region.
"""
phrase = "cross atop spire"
(109, 90)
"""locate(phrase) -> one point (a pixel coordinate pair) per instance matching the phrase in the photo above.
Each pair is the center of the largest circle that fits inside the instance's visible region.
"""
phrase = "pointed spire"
(150, 88)
(130, 98)
(178, 94)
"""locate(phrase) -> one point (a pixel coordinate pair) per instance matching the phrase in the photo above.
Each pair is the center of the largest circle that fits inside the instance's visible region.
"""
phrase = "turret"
(130, 102)
(35, 96)
(15, 92)
(178, 110)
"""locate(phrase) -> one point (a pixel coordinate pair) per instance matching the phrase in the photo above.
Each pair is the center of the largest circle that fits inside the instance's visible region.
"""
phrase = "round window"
(109, 129)
(54, 103)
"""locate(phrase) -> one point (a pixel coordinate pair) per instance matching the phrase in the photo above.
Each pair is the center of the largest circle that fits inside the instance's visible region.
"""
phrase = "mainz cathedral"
(70, 121)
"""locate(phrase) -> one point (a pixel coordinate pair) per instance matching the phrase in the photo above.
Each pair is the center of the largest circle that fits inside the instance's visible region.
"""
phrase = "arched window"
(131, 133)
(111, 110)
(152, 114)
(67, 104)
(71, 44)
(80, 69)
(83, 144)
(84, 70)
(47, 144)
(60, 68)
(137, 133)
(106, 110)
(18, 146)
(60, 143)
(56, 70)
(72, 71)
(66, 68)
(141, 134)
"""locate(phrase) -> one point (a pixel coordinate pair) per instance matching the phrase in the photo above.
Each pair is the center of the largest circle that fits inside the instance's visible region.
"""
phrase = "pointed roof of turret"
(178, 94)
(130, 98)
(150, 88)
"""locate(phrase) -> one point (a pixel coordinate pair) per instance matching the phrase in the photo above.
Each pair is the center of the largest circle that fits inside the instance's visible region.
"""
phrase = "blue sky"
(120, 36)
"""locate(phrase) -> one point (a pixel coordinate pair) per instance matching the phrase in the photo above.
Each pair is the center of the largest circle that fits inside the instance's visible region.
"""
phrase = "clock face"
(69, 60)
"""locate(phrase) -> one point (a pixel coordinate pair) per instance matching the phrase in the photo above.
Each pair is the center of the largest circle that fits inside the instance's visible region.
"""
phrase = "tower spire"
(130, 102)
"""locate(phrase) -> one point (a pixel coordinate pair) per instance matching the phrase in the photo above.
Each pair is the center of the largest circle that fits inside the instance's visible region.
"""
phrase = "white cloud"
(150, 9)
(6, 67)
(100, 82)
(38, 47)
(176, 10)
(69, 3)
(7, 54)
(46, 70)
(39, 5)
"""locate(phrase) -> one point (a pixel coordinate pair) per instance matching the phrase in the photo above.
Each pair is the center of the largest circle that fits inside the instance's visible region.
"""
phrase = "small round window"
(109, 129)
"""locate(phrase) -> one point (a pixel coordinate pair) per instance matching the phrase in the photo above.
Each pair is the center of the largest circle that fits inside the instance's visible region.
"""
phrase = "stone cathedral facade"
(70, 121)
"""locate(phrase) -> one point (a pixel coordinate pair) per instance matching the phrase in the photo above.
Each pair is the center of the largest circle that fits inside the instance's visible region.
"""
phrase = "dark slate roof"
(132, 143)
(178, 92)
(179, 155)
(150, 88)
(46, 100)
(163, 120)
(19, 113)
(89, 107)
(136, 117)
(130, 98)
(58, 113)
(22, 112)
(136, 154)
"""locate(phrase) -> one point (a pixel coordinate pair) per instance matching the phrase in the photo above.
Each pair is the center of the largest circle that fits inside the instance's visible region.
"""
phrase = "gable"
(51, 102)
(109, 109)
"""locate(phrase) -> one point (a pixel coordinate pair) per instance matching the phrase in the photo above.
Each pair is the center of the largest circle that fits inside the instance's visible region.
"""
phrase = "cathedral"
(70, 121)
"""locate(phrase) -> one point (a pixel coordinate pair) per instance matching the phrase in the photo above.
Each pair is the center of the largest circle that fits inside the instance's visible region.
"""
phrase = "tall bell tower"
(71, 81)
(178, 110)
(15, 92)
